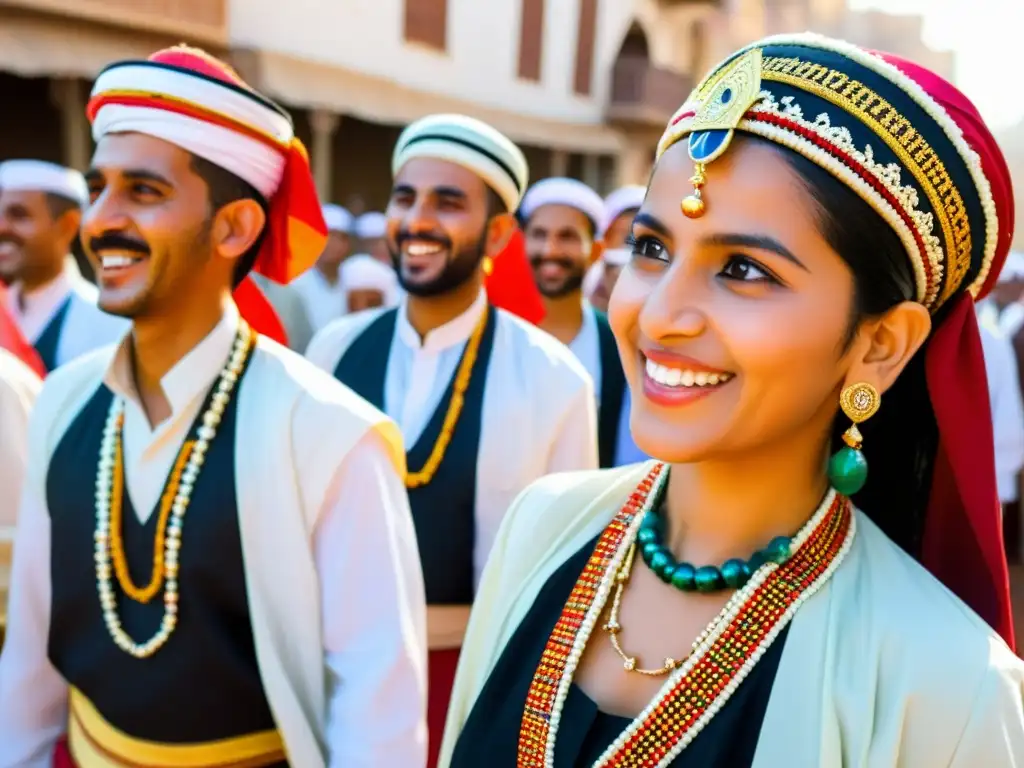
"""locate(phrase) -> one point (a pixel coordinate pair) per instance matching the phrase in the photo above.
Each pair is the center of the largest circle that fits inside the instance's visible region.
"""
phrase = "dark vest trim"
(49, 340)
(444, 510)
(613, 388)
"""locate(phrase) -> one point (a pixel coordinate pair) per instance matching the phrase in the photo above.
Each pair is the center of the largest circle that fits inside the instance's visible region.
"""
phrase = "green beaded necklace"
(734, 573)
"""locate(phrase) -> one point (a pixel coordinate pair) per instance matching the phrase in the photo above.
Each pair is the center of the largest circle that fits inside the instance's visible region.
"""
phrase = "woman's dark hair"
(225, 187)
(901, 439)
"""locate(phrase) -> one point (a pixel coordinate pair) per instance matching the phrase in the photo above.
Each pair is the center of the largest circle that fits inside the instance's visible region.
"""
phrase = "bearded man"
(486, 402)
(560, 220)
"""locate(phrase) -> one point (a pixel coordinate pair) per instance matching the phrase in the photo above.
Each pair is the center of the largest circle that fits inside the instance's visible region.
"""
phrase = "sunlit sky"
(987, 38)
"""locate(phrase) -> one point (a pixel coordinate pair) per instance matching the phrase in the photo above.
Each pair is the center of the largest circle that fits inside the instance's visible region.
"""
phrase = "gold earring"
(848, 469)
(488, 266)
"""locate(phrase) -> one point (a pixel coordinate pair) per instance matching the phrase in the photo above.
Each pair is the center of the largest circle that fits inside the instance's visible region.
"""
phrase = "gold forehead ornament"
(724, 99)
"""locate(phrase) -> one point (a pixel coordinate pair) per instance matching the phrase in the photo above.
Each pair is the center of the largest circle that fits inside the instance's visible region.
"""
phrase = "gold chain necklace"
(451, 417)
(614, 627)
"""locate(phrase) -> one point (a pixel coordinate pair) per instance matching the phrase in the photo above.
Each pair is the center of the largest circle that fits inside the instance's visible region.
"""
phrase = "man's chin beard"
(455, 274)
(573, 284)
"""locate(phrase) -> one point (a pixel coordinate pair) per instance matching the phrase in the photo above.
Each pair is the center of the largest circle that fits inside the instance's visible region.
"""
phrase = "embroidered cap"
(867, 119)
(190, 99)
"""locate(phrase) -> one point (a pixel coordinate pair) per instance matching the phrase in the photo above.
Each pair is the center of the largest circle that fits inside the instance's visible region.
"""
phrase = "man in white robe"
(235, 578)
(55, 307)
(486, 402)
(321, 287)
(561, 219)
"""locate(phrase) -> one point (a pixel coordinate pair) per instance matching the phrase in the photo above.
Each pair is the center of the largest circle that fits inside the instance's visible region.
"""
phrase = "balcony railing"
(643, 94)
(196, 21)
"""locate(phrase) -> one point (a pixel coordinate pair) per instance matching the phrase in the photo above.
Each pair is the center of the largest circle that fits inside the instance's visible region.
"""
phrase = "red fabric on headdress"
(257, 311)
(510, 285)
(14, 341)
(963, 539)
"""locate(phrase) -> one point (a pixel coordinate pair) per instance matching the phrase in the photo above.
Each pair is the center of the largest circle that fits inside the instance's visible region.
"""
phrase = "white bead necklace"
(105, 482)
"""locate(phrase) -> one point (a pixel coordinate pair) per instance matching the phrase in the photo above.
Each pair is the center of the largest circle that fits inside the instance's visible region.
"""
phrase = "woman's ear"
(885, 345)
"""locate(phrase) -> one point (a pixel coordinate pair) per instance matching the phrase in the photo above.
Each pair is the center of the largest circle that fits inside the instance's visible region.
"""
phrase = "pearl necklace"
(109, 450)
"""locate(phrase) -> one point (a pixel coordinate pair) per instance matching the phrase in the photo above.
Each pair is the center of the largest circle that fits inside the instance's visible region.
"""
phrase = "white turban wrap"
(472, 144)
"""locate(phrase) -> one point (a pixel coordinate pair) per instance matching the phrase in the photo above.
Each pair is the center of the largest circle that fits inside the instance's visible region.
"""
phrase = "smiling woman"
(798, 308)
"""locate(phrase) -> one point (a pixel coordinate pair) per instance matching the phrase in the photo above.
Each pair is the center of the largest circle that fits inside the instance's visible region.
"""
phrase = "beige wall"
(479, 66)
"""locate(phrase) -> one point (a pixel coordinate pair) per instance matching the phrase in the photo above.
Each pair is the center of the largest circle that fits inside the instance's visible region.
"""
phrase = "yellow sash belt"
(95, 743)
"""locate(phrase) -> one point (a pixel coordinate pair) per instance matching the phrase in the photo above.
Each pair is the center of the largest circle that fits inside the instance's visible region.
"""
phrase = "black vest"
(443, 510)
(48, 341)
(613, 388)
(204, 684)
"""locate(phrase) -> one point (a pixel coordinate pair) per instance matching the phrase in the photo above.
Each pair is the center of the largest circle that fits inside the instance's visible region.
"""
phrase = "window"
(531, 40)
(426, 22)
(585, 47)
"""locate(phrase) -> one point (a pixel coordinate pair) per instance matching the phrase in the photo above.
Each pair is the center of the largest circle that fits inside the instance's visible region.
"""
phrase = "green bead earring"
(848, 469)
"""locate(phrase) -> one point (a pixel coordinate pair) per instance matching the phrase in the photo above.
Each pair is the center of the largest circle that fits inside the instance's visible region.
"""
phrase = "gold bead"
(693, 207)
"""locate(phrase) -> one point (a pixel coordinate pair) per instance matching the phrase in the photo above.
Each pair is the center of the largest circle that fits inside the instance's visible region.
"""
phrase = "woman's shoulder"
(909, 602)
(553, 516)
(920, 642)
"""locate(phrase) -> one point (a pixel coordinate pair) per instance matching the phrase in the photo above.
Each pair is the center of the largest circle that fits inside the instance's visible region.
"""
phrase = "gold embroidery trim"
(929, 281)
(886, 122)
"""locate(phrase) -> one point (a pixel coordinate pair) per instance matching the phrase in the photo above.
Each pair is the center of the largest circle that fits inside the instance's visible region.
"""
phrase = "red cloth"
(14, 341)
(254, 307)
(441, 667)
(62, 757)
(510, 286)
(963, 540)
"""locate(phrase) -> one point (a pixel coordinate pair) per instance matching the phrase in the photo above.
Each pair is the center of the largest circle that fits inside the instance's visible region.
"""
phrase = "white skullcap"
(40, 176)
(371, 225)
(192, 78)
(567, 192)
(623, 199)
(338, 219)
(472, 144)
(362, 272)
(1013, 268)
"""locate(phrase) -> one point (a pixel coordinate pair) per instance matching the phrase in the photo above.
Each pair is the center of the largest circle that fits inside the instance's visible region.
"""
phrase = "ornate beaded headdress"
(871, 126)
(916, 150)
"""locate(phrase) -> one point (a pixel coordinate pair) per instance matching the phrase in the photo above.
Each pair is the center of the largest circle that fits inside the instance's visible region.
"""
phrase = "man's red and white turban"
(192, 100)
